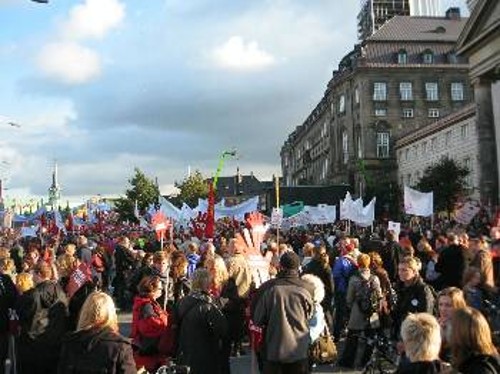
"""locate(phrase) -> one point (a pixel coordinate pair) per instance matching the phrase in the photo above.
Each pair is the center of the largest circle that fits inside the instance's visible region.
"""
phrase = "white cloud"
(69, 62)
(235, 54)
(93, 19)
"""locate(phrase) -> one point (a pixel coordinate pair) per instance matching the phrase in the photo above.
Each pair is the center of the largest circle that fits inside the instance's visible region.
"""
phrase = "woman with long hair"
(150, 325)
(96, 345)
(178, 273)
(449, 300)
(471, 343)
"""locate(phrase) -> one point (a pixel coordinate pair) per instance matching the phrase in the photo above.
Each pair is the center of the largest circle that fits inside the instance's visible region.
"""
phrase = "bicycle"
(383, 359)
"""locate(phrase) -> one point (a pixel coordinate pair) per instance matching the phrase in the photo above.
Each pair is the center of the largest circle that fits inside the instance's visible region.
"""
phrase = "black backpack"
(366, 297)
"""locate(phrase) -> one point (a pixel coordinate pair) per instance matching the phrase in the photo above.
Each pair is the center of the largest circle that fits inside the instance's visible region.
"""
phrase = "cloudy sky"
(103, 86)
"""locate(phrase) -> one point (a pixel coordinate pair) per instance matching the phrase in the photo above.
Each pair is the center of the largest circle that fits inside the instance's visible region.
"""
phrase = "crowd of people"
(197, 303)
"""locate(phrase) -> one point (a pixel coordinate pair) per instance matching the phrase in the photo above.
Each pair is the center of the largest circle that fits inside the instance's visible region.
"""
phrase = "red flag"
(160, 224)
(210, 227)
(81, 275)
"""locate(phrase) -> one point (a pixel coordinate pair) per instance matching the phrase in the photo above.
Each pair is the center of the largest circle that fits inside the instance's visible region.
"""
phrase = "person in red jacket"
(151, 333)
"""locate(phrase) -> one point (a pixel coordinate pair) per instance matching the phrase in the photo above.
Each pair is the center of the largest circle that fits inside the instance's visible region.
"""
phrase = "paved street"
(239, 365)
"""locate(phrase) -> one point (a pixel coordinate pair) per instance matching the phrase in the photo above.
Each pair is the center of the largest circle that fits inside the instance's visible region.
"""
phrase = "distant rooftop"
(420, 29)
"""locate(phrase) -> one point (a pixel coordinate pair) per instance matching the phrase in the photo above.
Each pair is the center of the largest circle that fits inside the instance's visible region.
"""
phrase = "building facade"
(480, 43)
(397, 81)
(375, 13)
(453, 136)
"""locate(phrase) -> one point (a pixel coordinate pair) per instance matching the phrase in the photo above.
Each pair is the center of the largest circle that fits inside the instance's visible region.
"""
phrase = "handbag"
(323, 350)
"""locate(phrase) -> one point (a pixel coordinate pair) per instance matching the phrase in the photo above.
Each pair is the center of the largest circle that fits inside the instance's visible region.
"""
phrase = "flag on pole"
(418, 203)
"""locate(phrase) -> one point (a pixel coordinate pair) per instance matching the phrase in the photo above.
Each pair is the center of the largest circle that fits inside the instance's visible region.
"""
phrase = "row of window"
(427, 57)
(407, 112)
(380, 91)
(410, 179)
(425, 146)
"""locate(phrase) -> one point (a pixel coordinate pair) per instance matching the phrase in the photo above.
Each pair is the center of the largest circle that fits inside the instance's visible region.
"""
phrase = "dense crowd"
(432, 294)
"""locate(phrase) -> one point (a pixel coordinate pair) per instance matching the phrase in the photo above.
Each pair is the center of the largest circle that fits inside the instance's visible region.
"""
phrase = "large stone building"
(453, 136)
(480, 43)
(400, 79)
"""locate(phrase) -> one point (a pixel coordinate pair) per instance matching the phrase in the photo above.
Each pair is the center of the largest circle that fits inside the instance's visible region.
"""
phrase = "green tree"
(192, 188)
(143, 190)
(447, 179)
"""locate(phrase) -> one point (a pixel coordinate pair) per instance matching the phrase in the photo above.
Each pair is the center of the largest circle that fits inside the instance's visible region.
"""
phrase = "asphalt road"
(239, 365)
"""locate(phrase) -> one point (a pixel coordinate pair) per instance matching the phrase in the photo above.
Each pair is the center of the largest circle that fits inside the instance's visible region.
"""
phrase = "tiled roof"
(406, 28)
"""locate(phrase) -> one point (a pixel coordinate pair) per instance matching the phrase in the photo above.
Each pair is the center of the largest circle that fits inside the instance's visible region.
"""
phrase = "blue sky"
(104, 86)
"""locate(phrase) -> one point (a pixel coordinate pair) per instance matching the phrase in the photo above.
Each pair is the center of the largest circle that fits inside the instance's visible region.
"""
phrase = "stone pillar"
(488, 166)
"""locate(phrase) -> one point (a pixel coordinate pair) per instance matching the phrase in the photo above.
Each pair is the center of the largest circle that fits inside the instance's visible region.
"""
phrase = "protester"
(97, 346)
(202, 329)
(343, 269)
(43, 317)
(449, 299)
(421, 337)
(320, 267)
(8, 295)
(452, 263)
(471, 343)
(481, 259)
(473, 293)
(363, 299)
(150, 324)
(414, 296)
(283, 307)
(391, 254)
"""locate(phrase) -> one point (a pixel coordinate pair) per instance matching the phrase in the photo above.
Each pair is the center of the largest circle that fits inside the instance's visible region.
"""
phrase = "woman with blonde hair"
(449, 300)
(24, 283)
(471, 343)
(96, 345)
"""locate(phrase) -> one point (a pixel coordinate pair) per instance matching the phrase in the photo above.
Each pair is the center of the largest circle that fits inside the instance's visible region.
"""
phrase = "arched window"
(428, 57)
(402, 57)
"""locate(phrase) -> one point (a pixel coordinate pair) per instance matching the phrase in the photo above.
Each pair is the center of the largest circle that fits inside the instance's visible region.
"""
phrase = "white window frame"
(464, 131)
(457, 91)
(380, 91)
(428, 57)
(380, 112)
(406, 91)
(383, 144)
(342, 104)
(433, 113)
(432, 91)
(345, 147)
(356, 95)
(402, 57)
(407, 113)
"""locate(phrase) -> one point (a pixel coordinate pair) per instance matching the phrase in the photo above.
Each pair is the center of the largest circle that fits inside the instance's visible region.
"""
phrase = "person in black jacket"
(125, 262)
(8, 295)
(471, 344)
(413, 294)
(391, 254)
(43, 318)
(319, 266)
(451, 263)
(202, 329)
(97, 346)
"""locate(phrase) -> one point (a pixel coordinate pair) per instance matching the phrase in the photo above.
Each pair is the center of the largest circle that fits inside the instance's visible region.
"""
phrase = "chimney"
(453, 14)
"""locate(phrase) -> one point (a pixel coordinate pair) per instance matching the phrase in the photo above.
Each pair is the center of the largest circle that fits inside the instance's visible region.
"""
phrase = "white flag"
(394, 226)
(418, 203)
(366, 215)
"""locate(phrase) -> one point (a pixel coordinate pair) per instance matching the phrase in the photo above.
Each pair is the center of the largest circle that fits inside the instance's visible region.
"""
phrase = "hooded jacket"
(96, 351)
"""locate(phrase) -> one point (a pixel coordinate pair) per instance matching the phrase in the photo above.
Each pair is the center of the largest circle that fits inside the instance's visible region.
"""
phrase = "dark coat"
(451, 265)
(96, 351)
(415, 298)
(8, 295)
(391, 254)
(43, 317)
(202, 328)
(283, 306)
(480, 364)
(325, 274)
(423, 367)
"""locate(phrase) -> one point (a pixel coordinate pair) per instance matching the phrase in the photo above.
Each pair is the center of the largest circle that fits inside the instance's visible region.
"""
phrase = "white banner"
(467, 212)
(394, 226)
(321, 214)
(276, 216)
(418, 203)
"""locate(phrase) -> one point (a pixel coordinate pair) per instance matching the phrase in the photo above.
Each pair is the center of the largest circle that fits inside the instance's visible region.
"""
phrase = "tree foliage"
(192, 188)
(143, 190)
(447, 179)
